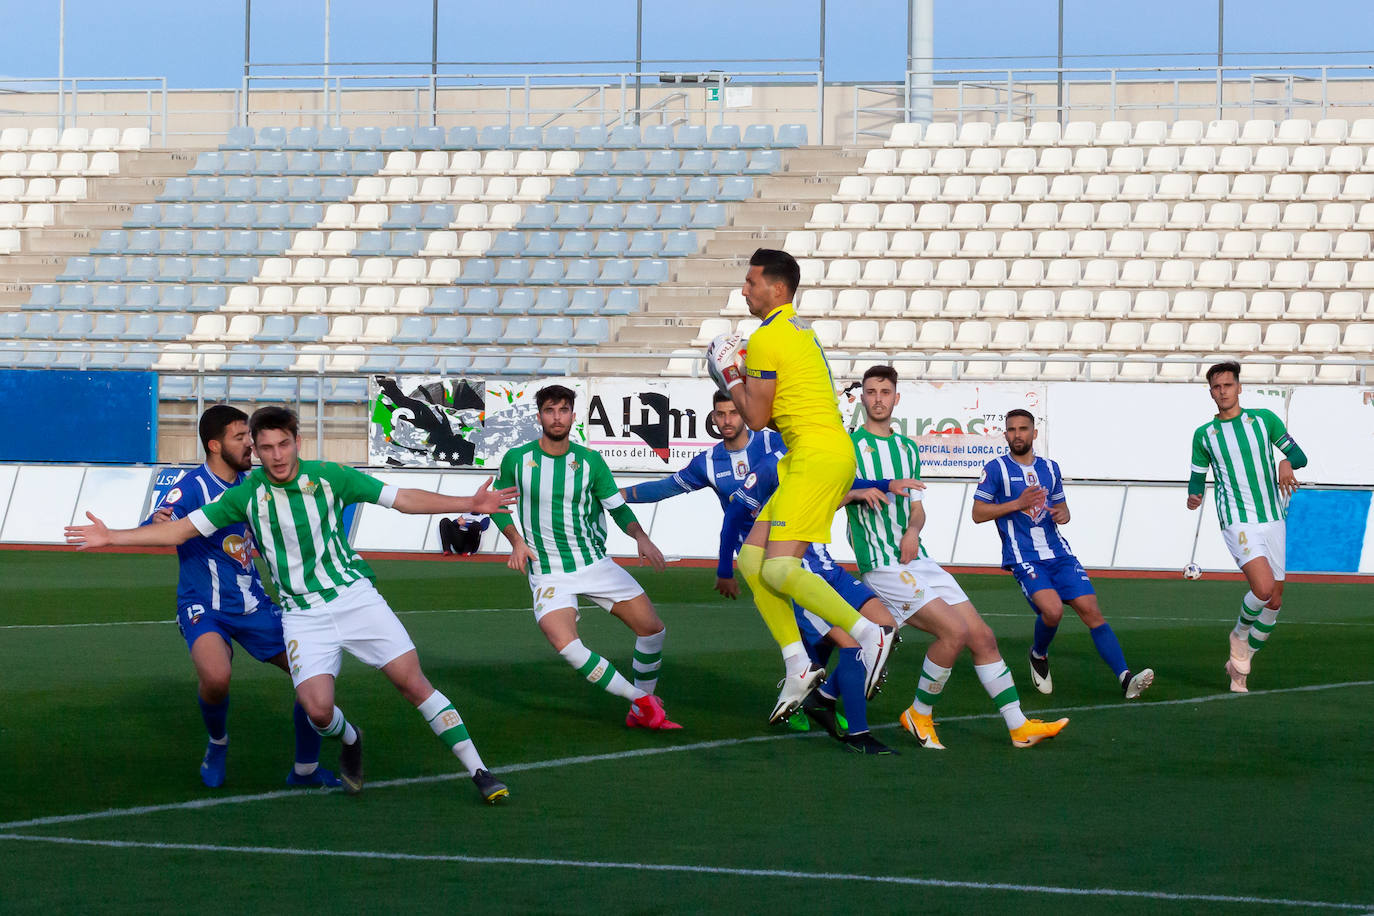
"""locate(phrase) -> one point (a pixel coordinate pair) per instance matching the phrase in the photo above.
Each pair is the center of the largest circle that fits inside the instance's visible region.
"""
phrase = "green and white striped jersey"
(299, 527)
(1240, 452)
(563, 500)
(876, 535)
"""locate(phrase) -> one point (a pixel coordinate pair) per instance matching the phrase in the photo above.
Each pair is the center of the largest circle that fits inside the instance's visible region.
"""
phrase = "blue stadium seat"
(209, 187)
(303, 162)
(633, 189)
(40, 325)
(791, 135)
(655, 136)
(680, 244)
(673, 216)
(76, 296)
(381, 360)
(419, 361)
(43, 296)
(174, 327)
(538, 216)
(276, 329)
(278, 357)
(730, 162)
(690, 136)
(560, 136)
(625, 136)
(708, 216)
(175, 215)
(334, 162)
(111, 296)
(483, 330)
(541, 244)
(242, 358)
(545, 272)
(436, 216)
(310, 329)
(662, 162)
(515, 302)
(700, 188)
(272, 242)
(507, 244)
(160, 270)
(238, 216)
(595, 162)
(240, 243)
(523, 362)
(575, 244)
(238, 138)
(74, 326)
(512, 271)
(147, 241)
(559, 364)
(580, 272)
(586, 301)
(168, 241)
(572, 216)
(351, 390)
(591, 136)
(640, 216)
(144, 215)
(591, 332)
(461, 137)
(449, 330)
(493, 137)
(365, 138)
(372, 244)
(302, 216)
(696, 162)
(208, 216)
(272, 162)
(403, 216)
(481, 301)
(550, 301)
(526, 137)
(757, 136)
(331, 138)
(140, 298)
(174, 298)
(651, 272)
(668, 190)
(176, 388)
(736, 187)
(206, 270)
(488, 361)
(367, 162)
(428, 137)
(12, 324)
(207, 164)
(414, 329)
(77, 270)
(478, 271)
(247, 187)
(518, 331)
(176, 189)
(645, 244)
(395, 138)
(112, 241)
(39, 355)
(611, 245)
(606, 216)
(723, 136)
(241, 270)
(616, 272)
(140, 355)
(621, 302)
(335, 190)
(553, 331)
(205, 242)
(301, 138)
(565, 189)
(302, 190)
(244, 389)
(629, 162)
(109, 326)
(239, 163)
(106, 356)
(406, 244)
(446, 300)
(271, 138)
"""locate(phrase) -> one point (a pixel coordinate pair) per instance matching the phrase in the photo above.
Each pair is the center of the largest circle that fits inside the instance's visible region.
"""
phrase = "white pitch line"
(557, 762)
(901, 880)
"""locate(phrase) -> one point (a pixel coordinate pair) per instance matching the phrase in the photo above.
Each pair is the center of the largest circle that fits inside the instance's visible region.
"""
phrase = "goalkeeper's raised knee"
(786, 575)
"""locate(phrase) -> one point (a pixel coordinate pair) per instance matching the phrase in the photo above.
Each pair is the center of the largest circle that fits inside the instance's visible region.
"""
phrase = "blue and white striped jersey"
(1030, 534)
(718, 468)
(217, 570)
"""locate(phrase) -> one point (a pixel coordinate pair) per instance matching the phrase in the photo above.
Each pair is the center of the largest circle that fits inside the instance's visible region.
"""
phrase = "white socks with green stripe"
(1250, 610)
(930, 686)
(1256, 621)
(599, 671)
(1262, 627)
(448, 725)
(648, 659)
(338, 727)
(997, 681)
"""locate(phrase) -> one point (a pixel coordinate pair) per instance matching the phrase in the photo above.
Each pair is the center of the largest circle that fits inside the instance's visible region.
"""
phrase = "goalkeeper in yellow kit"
(784, 381)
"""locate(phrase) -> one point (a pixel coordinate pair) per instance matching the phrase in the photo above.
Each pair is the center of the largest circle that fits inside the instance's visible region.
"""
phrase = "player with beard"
(1024, 495)
(220, 597)
(564, 491)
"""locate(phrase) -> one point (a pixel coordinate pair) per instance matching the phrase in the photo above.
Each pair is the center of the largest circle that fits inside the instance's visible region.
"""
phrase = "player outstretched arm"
(426, 502)
(695, 476)
(96, 534)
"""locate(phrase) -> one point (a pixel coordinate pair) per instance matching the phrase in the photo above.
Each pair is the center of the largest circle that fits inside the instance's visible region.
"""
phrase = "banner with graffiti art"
(423, 421)
(956, 425)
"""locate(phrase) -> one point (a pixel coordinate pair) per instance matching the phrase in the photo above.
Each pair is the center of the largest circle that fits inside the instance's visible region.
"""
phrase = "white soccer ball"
(725, 350)
(1192, 571)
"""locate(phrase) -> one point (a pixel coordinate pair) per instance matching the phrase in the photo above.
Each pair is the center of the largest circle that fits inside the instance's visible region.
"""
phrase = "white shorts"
(908, 587)
(358, 620)
(604, 582)
(1248, 540)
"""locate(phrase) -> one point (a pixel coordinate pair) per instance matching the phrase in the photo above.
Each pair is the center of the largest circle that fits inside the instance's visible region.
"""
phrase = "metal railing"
(75, 101)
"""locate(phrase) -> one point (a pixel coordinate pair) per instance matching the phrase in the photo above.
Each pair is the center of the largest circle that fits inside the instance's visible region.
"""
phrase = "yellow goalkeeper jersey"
(805, 409)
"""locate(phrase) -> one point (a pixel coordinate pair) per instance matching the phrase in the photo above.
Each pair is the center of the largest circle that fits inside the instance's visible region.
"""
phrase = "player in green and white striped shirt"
(894, 564)
(565, 489)
(1252, 496)
(295, 509)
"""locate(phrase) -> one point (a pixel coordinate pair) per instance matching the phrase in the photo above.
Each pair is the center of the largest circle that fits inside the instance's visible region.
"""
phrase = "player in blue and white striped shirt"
(1024, 495)
(220, 597)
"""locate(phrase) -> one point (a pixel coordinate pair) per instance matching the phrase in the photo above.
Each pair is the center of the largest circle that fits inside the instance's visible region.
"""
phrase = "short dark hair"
(554, 394)
(215, 421)
(274, 417)
(1230, 366)
(778, 266)
(1018, 412)
(886, 373)
(720, 397)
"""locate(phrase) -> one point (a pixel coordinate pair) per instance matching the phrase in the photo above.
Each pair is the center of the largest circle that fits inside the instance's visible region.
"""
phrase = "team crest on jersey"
(240, 548)
(173, 495)
(751, 480)
(1036, 512)
(308, 486)
(530, 463)
(573, 464)
(741, 468)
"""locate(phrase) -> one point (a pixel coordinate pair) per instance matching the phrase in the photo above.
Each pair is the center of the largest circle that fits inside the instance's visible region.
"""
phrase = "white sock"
(1001, 686)
(305, 769)
(599, 671)
(221, 741)
(1251, 608)
(445, 722)
(337, 727)
(795, 658)
(1262, 627)
(930, 686)
(862, 628)
(648, 659)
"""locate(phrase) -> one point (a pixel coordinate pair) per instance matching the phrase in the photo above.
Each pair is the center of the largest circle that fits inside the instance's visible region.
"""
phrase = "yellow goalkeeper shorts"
(811, 485)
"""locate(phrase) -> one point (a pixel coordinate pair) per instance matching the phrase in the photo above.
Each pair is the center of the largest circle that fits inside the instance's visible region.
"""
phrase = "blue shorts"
(259, 632)
(1064, 575)
(812, 628)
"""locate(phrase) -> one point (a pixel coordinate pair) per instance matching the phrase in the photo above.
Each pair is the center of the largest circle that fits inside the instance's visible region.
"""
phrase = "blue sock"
(849, 678)
(1109, 648)
(216, 718)
(1044, 634)
(307, 739)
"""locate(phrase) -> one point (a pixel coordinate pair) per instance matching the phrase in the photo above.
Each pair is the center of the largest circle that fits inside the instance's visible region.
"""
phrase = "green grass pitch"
(1189, 800)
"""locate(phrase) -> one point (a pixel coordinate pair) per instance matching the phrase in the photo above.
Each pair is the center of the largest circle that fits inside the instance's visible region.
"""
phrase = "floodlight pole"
(639, 56)
(820, 96)
(1221, 31)
(247, 56)
(434, 66)
(1059, 97)
(61, 62)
